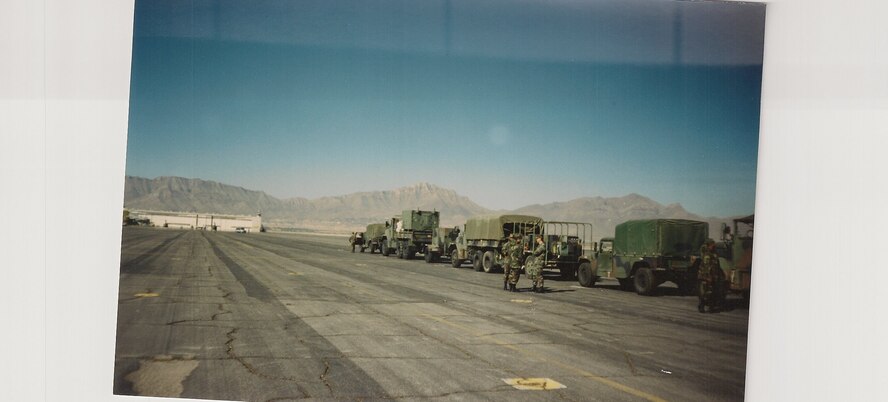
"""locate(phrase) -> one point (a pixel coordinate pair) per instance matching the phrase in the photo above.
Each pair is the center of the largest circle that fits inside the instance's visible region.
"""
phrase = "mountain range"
(354, 211)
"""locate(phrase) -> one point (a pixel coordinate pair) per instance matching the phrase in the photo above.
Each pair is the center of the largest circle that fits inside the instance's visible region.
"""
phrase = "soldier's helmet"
(710, 242)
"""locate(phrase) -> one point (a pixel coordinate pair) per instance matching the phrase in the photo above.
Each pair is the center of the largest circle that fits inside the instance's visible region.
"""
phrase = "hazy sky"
(507, 102)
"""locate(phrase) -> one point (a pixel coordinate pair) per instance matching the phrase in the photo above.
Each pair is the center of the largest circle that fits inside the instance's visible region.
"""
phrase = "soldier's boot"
(701, 307)
(512, 287)
(534, 288)
(505, 285)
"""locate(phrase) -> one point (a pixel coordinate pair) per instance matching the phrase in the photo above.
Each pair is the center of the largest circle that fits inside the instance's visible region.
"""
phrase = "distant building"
(197, 220)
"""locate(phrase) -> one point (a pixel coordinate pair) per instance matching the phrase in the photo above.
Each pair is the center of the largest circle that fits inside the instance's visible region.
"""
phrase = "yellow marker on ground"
(522, 301)
(534, 384)
(606, 381)
(146, 295)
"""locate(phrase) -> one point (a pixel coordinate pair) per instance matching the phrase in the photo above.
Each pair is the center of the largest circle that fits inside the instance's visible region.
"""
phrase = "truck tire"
(409, 252)
(488, 261)
(476, 261)
(585, 276)
(428, 257)
(400, 251)
(645, 283)
(385, 248)
(454, 259)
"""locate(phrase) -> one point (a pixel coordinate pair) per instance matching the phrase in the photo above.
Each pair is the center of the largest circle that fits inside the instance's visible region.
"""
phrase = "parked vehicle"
(566, 243)
(735, 254)
(373, 237)
(645, 253)
(409, 233)
(482, 240)
(443, 243)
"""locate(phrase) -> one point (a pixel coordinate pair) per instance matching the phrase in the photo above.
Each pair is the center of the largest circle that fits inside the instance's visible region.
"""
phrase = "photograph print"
(439, 200)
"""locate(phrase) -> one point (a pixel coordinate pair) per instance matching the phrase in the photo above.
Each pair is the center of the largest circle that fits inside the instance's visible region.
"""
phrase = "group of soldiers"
(512, 253)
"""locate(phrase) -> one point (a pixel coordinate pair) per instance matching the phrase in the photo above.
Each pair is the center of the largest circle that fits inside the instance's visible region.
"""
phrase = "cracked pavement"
(273, 317)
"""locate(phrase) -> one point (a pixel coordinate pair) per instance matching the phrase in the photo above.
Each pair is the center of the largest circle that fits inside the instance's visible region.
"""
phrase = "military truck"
(645, 253)
(566, 245)
(735, 254)
(373, 236)
(482, 240)
(409, 233)
(443, 243)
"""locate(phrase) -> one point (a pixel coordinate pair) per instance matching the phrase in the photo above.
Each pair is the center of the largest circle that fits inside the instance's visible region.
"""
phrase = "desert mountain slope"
(356, 210)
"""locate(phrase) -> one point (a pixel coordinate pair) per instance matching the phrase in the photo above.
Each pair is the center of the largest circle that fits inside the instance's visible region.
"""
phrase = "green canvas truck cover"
(660, 237)
(490, 227)
(419, 220)
(374, 230)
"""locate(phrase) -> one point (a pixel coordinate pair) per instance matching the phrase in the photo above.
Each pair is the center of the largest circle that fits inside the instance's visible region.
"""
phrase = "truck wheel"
(487, 261)
(454, 259)
(400, 252)
(428, 257)
(363, 248)
(385, 248)
(644, 281)
(476, 261)
(409, 253)
(585, 276)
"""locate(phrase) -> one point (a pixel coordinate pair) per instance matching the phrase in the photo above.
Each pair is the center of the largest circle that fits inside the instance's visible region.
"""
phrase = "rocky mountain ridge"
(354, 211)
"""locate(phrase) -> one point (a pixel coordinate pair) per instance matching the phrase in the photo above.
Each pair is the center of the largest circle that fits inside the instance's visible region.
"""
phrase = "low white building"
(196, 220)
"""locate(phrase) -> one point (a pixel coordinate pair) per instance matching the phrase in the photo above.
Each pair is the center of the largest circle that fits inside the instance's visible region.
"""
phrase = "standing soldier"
(535, 268)
(507, 260)
(517, 251)
(710, 277)
(351, 241)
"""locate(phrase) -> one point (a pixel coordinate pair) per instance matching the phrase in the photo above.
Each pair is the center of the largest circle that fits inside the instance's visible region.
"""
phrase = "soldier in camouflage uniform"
(512, 252)
(534, 270)
(351, 241)
(710, 278)
(507, 260)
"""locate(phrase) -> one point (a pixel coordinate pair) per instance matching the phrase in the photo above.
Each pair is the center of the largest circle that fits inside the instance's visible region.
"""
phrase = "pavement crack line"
(252, 370)
(629, 362)
(323, 376)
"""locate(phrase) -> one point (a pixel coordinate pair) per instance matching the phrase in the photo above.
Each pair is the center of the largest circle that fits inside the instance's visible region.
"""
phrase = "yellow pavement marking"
(534, 384)
(522, 301)
(613, 384)
(295, 273)
(146, 295)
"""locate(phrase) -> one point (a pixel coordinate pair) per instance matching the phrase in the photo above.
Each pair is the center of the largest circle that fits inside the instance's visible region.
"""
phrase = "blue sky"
(507, 102)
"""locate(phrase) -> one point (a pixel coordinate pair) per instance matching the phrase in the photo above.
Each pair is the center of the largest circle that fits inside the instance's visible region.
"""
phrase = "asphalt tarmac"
(276, 317)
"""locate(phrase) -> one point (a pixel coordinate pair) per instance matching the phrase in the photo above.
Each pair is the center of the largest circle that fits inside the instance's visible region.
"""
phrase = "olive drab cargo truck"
(443, 243)
(735, 255)
(373, 236)
(645, 253)
(566, 245)
(482, 240)
(409, 233)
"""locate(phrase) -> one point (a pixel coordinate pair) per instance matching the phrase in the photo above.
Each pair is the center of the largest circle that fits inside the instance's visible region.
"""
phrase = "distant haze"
(510, 103)
(352, 212)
